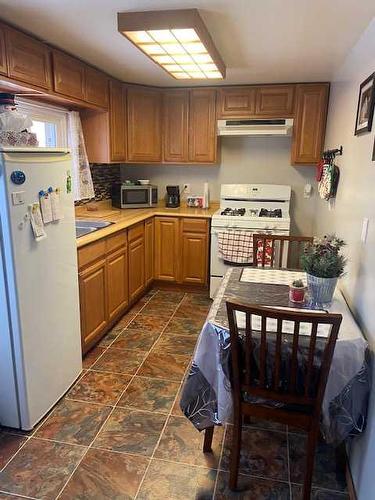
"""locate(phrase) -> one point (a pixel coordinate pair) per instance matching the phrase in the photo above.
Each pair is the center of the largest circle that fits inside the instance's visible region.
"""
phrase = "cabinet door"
(149, 251)
(202, 126)
(117, 282)
(117, 120)
(175, 130)
(136, 267)
(236, 102)
(275, 101)
(309, 123)
(166, 248)
(68, 75)
(144, 125)
(96, 87)
(28, 59)
(194, 258)
(3, 60)
(93, 303)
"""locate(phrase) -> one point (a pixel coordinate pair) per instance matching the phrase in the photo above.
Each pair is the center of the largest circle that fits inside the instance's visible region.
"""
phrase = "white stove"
(258, 208)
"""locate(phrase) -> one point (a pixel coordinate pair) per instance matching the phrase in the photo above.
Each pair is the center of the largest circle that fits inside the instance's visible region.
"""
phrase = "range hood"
(270, 127)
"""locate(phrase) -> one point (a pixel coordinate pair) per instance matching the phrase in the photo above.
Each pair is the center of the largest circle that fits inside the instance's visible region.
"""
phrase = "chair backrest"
(272, 250)
(281, 355)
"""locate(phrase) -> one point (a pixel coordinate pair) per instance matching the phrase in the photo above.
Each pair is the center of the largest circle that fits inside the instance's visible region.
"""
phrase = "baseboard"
(165, 285)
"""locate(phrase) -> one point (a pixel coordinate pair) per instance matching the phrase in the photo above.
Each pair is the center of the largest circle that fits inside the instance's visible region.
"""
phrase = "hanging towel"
(236, 246)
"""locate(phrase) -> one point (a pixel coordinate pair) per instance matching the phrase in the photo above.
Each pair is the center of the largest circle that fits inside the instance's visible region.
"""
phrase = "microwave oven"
(134, 196)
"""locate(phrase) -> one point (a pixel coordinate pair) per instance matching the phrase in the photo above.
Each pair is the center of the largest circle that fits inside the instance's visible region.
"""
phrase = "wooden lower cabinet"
(136, 238)
(93, 302)
(117, 281)
(149, 251)
(103, 286)
(181, 250)
(194, 261)
(166, 248)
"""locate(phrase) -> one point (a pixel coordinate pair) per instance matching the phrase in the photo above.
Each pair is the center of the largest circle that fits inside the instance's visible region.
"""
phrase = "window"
(49, 123)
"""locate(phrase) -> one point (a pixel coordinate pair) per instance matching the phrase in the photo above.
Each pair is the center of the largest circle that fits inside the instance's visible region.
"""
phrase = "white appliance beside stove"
(259, 208)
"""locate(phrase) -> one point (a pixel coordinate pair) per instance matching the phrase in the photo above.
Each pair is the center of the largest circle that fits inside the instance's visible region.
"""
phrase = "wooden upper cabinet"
(309, 123)
(275, 101)
(96, 88)
(28, 59)
(68, 75)
(236, 102)
(3, 57)
(144, 125)
(202, 126)
(176, 126)
(166, 248)
(149, 251)
(117, 121)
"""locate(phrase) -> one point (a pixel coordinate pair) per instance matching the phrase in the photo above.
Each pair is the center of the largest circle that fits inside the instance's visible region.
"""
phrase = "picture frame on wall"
(365, 108)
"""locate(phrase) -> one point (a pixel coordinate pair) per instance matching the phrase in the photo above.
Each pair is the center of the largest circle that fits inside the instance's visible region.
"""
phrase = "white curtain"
(83, 187)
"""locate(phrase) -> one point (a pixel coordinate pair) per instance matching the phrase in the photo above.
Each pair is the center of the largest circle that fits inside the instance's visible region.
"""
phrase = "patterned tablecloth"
(206, 397)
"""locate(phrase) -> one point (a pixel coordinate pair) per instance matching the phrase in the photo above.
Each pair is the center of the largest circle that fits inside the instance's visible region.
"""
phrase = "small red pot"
(297, 294)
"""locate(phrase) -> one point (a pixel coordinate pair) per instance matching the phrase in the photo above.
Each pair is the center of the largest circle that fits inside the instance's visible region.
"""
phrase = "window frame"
(47, 113)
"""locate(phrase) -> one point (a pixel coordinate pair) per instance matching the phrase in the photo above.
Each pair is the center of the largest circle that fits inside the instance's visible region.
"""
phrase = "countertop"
(125, 218)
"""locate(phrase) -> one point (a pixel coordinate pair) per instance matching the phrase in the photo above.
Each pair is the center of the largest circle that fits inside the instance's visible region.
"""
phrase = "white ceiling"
(261, 41)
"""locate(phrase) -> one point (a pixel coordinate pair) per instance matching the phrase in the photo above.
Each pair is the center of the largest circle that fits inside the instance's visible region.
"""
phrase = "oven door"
(218, 266)
(135, 197)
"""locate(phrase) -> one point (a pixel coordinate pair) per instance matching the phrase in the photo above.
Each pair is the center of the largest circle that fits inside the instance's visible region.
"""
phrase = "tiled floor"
(119, 432)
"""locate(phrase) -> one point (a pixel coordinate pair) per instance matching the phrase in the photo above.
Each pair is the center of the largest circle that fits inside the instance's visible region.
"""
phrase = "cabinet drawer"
(194, 225)
(116, 241)
(91, 252)
(136, 232)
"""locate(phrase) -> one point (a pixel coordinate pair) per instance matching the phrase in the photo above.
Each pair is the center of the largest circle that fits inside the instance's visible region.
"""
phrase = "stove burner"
(264, 212)
(233, 211)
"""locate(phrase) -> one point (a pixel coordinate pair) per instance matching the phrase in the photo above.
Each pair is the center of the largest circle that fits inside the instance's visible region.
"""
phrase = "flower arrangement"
(323, 258)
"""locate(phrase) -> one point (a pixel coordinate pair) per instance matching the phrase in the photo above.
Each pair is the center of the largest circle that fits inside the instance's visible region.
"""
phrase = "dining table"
(206, 397)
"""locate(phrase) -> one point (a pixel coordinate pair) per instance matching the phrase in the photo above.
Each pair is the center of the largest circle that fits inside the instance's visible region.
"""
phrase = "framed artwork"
(365, 109)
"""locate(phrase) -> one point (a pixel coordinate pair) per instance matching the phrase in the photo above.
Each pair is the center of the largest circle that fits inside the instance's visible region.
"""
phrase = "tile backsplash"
(103, 176)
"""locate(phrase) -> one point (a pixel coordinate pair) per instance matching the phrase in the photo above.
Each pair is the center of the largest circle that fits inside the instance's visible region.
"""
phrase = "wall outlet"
(187, 188)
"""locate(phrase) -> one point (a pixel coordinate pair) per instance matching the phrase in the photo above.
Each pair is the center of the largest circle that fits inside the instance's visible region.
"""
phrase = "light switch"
(18, 197)
(364, 229)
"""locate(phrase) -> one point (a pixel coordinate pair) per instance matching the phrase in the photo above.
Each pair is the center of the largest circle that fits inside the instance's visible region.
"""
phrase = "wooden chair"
(262, 368)
(284, 251)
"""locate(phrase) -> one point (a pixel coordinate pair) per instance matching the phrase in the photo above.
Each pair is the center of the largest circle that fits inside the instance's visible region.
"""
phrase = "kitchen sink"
(84, 227)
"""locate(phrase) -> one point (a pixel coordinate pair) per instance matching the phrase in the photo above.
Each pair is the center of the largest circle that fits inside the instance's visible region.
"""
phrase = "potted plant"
(297, 291)
(324, 264)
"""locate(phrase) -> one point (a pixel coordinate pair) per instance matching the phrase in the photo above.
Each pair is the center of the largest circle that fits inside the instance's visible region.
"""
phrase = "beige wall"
(243, 160)
(355, 200)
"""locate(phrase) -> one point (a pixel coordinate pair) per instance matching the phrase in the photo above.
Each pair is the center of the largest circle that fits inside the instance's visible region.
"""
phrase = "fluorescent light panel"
(178, 51)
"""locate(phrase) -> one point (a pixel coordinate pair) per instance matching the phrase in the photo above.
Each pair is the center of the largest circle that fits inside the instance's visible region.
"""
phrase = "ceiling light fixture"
(177, 40)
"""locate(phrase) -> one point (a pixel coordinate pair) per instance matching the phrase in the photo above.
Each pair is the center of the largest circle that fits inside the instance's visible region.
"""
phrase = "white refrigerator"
(40, 346)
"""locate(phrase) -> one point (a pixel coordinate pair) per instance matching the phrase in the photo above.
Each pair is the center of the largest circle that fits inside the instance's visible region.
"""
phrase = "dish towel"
(236, 246)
